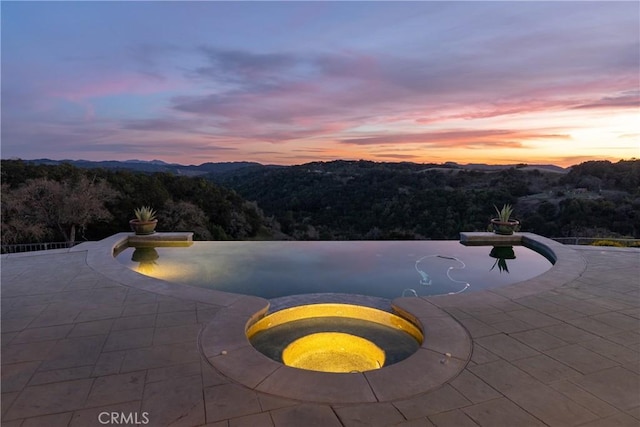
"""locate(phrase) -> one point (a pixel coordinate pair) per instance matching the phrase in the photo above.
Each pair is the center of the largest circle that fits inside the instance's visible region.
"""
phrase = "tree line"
(63, 202)
(368, 200)
(340, 200)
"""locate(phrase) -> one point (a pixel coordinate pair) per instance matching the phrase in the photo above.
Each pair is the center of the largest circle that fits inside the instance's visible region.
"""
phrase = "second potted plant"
(145, 221)
(503, 224)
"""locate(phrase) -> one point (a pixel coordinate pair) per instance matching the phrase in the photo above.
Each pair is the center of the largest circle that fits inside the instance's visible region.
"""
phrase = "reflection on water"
(502, 254)
(146, 258)
(409, 293)
(441, 265)
(386, 269)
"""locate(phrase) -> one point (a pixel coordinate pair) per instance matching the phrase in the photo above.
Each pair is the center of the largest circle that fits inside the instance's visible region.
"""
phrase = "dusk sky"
(293, 82)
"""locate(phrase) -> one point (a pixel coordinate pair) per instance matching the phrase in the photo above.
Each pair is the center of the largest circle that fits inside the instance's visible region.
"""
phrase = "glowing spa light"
(333, 337)
(333, 352)
(335, 310)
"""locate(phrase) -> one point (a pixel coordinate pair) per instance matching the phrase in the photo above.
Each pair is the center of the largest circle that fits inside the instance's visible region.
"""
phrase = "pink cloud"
(457, 138)
(625, 100)
(99, 86)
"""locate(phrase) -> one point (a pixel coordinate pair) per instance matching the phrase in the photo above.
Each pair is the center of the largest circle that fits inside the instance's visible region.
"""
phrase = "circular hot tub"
(331, 337)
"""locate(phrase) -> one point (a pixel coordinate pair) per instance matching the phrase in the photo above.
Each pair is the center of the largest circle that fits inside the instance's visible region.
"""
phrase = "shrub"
(608, 243)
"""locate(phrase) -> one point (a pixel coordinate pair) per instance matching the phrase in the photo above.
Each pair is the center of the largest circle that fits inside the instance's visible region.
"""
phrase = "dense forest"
(367, 200)
(321, 200)
(42, 202)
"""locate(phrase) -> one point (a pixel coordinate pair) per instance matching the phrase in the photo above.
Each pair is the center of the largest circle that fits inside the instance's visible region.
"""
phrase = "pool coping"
(445, 352)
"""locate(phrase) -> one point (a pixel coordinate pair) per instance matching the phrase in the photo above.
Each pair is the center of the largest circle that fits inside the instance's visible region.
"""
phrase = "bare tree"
(185, 216)
(16, 227)
(64, 206)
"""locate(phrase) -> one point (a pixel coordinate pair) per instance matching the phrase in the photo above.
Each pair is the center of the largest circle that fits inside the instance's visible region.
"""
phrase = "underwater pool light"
(333, 337)
(333, 352)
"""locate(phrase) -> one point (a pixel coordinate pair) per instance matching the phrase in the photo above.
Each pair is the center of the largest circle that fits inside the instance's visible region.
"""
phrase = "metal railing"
(30, 247)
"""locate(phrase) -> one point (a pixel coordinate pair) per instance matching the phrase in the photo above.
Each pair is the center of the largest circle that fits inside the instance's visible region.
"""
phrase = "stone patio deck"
(82, 335)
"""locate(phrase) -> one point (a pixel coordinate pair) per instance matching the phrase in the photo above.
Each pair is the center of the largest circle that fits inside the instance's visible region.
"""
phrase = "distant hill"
(480, 167)
(152, 166)
(378, 200)
(182, 202)
(522, 166)
(233, 168)
(346, 199)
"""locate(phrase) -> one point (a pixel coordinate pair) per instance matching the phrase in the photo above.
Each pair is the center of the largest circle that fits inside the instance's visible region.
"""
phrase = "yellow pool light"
(334, 351)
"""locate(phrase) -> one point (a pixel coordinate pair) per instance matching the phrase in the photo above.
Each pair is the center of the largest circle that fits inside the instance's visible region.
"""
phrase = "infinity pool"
(386, 269)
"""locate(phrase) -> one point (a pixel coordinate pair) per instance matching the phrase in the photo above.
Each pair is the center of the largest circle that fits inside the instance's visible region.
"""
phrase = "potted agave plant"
(503, 224)
(145, 221)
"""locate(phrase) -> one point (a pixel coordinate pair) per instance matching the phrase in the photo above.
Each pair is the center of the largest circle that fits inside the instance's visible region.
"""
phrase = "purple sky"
(291, 82)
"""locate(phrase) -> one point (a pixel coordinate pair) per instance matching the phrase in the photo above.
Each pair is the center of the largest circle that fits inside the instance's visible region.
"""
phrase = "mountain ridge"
(223, 167)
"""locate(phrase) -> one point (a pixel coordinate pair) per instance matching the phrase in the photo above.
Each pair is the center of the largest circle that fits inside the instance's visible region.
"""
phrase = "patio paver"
(81, 336)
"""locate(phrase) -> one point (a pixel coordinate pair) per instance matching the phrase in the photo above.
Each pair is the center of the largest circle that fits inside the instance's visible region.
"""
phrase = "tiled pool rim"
(444, 353)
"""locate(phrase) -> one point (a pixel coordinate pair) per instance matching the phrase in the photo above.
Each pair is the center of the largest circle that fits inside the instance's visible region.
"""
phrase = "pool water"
(386, 269)
(397, 345)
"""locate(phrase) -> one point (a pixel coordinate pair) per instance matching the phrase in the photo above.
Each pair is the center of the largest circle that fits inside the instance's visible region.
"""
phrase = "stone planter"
(504, 227)
(142, 228)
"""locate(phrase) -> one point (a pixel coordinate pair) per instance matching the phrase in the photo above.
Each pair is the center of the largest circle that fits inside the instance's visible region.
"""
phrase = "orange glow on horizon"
(561, 137)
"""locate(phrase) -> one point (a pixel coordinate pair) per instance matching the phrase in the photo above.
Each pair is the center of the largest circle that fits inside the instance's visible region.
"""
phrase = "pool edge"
(235, 358)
